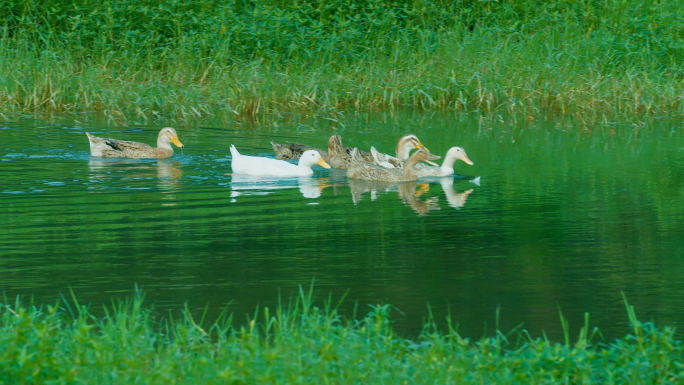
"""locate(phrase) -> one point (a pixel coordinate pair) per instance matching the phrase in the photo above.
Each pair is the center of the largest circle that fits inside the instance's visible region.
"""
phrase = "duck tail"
(334, 144)
(356, 156)
(233, 151)
(376, 155)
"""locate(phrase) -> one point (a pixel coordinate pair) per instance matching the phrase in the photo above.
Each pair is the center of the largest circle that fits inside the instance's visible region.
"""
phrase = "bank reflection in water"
(129, 173)
(258, 185)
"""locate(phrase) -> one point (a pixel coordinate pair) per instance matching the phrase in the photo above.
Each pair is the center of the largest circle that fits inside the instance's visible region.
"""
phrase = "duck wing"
(114, 148)
(126, 145)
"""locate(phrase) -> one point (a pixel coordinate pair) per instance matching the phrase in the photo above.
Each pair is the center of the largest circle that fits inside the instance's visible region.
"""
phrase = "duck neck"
(402, 152)
(409, 170)
(304, 167)
(448, 164)
(164, 142)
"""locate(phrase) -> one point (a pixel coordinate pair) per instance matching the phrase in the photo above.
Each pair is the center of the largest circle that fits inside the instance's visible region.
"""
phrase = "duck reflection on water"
(456, 200)
(309, 187)
(168, 172)
(410, 193)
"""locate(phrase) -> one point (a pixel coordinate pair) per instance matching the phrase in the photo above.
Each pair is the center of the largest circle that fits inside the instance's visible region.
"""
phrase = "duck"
(340, 156)
(358, 169)
(255, 165)
(383, 160)
(405, 144)
(115, 148)
(447, 167)
(295, 151)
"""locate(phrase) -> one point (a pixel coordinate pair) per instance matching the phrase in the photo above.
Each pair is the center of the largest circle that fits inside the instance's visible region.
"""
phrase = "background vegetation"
(236, 59)
(302, 343)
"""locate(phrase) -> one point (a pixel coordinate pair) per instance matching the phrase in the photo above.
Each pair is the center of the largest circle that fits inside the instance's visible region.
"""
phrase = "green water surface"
(552, 216)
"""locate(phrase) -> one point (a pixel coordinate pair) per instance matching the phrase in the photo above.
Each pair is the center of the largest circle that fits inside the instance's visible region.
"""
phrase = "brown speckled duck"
(340, 155)
(405, 144)
(359, 169)
(114, 148)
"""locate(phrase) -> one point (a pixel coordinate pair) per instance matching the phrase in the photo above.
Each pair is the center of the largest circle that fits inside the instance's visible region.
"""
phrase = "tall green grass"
(185, 60)
(302, 343)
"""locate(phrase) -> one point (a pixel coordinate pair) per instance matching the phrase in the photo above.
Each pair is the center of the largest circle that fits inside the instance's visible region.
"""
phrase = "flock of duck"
(373, 165)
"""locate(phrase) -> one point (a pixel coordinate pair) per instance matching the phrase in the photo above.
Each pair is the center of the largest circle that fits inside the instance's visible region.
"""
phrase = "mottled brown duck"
(359, 169)
(405, 144)
(115, 148)
(295, 151)
(340, 155)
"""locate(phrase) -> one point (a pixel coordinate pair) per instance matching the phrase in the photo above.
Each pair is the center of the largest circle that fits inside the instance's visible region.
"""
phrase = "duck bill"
(467, 160)
(421, 146)
(176, 141)
(432, 157)
(322, 163)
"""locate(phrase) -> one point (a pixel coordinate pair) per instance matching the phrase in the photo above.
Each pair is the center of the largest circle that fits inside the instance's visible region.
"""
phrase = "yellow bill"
(176, 141)
(430, 157)
(322, 163)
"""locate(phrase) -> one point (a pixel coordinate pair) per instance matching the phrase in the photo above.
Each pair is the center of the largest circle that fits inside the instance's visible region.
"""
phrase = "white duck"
(255, 165)
(447, 167)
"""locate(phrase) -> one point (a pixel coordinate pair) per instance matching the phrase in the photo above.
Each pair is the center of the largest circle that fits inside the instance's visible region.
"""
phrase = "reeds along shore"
(239, 60)
(302, 343)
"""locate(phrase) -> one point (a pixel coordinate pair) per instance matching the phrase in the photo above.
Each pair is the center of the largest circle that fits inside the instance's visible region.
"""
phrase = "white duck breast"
(447, 167)
(255, 165)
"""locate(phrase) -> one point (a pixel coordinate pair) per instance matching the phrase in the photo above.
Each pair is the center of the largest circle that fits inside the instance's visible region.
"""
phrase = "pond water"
(551, 216)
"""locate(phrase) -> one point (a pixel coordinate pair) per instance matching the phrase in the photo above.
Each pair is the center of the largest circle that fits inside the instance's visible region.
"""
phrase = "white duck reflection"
(456, 200)
(262, 185)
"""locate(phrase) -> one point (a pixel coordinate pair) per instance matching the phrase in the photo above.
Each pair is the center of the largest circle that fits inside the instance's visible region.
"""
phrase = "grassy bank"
(147, 60)
(302, 343)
